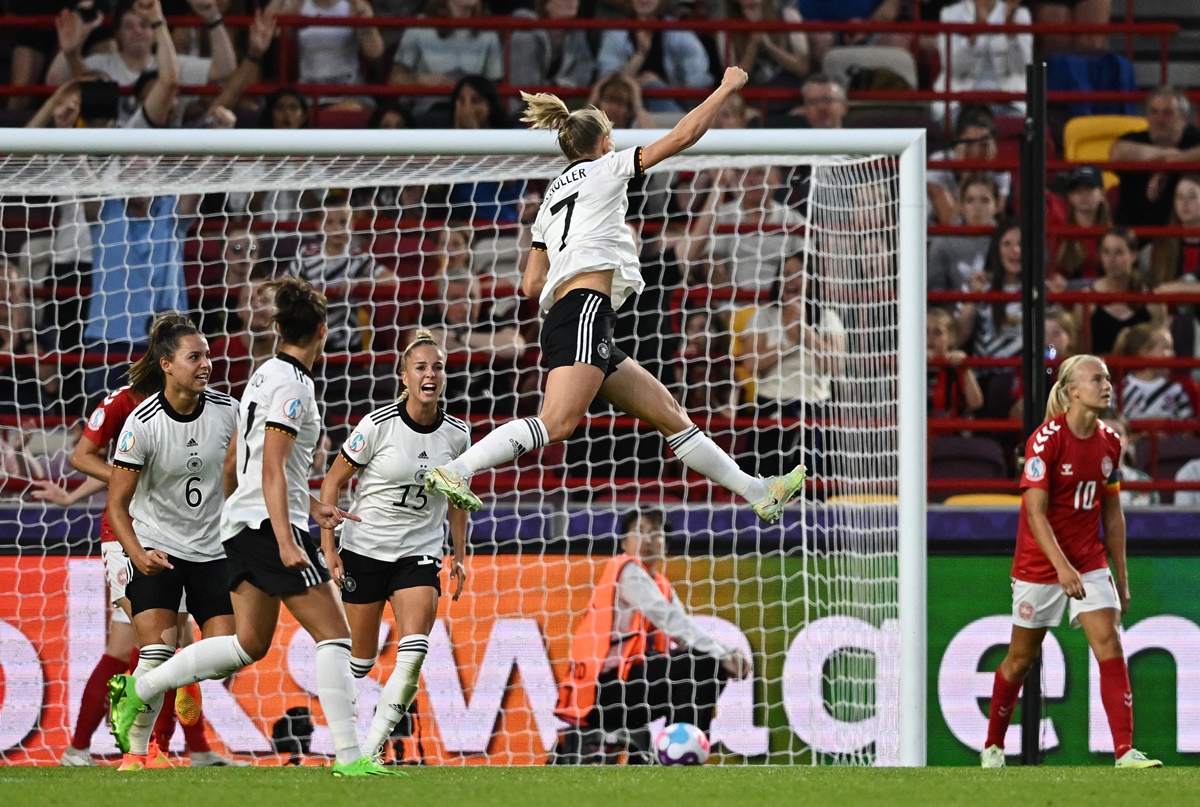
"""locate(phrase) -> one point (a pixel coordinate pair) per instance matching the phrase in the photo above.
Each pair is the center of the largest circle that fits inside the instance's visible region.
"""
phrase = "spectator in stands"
(1128, 467)
(332, 54)
(772, 59)
(135, 54)
(955, 259)
(1175, 262)
(556, 56)
(137, 273)
(974, 139)
(1089, 12)
(238, 353)
(1076, 259)
(1062, 340)
(620, 98)
(843, 11)
(1154, 393)
(637, 655)
(824, 106)
(285, 108)
(655, 59)
(19, 381)
(994, 329)
(743, 228)
(1190, 472)
(794, 348)
(438, 57)
(32, 46)
(983, 61)
(1145, 198)
(335, 265)
(220, 313)
(954, 391)
(477, 105)
(388, 116)
(1119, 274)
(705, 370)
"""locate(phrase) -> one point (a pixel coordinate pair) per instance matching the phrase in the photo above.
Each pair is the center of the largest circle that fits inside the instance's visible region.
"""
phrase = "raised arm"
(370, 41)
(262, 31)
(695, 123)
(224, 59)
(161, 97)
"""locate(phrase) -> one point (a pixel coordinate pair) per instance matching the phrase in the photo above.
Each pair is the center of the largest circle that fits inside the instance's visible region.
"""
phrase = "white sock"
(218, 657)
(697, 451)
(361, 667)
(150, 657)
(503, 444)
(399, 691)
(339, 700)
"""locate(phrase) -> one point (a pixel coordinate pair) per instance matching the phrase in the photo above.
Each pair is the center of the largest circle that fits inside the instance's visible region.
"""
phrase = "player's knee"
(559, 427)
(1017, 665)
(253, 646)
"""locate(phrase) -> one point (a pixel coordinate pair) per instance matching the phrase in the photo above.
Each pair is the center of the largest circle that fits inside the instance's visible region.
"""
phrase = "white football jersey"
(399, 518)
(179, 458)
(581, 224)
(279, 396)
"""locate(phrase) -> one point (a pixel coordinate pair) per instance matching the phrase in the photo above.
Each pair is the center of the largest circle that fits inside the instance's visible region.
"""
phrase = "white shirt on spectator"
(1162, 398)
(1188, 473)
(985, 62)
(463, 53)
(794, 377)
(328, 53)
(193, 72)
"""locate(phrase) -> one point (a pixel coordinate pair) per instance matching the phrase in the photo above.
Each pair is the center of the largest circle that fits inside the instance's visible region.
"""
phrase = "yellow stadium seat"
(1088, 138)
(738, 323)
(863, 499)
(990, 499)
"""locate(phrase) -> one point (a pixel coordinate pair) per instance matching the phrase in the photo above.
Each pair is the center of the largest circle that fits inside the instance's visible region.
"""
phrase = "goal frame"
(908, 146)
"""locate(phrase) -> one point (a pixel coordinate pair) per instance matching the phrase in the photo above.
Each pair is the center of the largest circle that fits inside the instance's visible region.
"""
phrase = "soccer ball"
(681, 744)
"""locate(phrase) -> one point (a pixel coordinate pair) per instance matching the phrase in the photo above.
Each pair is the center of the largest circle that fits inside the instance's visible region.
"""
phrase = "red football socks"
(93, 706)
(1117, 698)
(1004, 698)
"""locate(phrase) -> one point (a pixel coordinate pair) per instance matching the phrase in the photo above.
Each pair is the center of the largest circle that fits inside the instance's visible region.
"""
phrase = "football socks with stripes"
(503, 444)
(217, 657)
(339, 699)
(399, 691)
(151, 657)
(697, 451)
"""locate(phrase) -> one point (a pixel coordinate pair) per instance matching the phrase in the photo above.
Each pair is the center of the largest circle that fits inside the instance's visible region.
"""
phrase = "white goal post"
(891, 510)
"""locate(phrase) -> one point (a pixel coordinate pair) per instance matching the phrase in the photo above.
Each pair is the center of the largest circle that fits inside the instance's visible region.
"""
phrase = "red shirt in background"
(103, 427)
(1076, 473)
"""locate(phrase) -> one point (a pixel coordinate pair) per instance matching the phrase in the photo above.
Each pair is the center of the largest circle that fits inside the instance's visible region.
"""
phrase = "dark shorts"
(369, 580)
(254, 557)
(206, 584)
(579, 328)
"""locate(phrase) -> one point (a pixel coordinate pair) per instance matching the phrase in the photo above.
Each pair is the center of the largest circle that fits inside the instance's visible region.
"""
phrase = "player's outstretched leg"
(455, 488)
(780, 491)
(124, 707)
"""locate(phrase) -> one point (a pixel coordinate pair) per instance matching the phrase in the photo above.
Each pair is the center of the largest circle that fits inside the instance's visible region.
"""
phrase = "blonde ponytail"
(579, 132)
(1059, 400)
(424, 337)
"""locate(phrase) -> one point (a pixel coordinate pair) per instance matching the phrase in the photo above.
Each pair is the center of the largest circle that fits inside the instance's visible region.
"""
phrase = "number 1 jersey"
(1076, 473)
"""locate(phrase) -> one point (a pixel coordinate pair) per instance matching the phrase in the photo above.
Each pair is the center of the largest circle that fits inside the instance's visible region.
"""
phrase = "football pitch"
(607, 786)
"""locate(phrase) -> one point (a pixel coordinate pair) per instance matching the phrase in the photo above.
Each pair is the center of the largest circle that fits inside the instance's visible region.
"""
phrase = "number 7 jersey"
(394, 452)
(1076, 473)
(581, 225)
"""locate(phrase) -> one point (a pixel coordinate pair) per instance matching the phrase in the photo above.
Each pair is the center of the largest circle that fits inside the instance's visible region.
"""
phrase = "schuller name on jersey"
(566, 179)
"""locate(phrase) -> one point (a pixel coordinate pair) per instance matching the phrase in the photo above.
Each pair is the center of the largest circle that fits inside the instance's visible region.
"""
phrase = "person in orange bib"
(636, 655)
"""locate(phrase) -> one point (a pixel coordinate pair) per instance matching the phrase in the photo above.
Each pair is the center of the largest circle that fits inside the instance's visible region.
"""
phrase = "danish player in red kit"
(1070, 485)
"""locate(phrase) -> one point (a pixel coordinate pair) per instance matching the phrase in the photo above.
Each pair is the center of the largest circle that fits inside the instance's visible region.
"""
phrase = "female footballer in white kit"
(583, 266)
(264, 524)
(164, 504)
(395, 553)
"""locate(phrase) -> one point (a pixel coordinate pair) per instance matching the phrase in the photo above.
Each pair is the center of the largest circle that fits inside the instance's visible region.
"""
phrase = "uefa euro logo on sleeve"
(1035, 469)
(293, 409)
(126, 443)
(356, 442)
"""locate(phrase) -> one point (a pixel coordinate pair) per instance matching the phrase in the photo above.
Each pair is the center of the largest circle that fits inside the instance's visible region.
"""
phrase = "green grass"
(608, 786)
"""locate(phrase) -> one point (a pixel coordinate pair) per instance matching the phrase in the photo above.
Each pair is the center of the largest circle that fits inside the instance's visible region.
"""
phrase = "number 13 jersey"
(1076, 474)
(178, 459)
(399, 518)
(581, 225)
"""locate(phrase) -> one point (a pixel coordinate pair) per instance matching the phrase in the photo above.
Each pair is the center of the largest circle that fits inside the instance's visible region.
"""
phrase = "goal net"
(782, 308)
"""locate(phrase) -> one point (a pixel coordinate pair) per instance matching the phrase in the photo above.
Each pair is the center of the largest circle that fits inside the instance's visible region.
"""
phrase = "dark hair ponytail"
(146, 376)
(299, 309)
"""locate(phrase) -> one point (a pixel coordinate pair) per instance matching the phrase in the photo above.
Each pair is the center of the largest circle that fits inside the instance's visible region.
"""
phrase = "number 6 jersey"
(1076, 473)
(399, 518)
(179, 458)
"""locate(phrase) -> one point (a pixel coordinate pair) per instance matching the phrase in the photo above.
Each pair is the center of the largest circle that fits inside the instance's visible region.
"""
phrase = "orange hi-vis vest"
(594, 638)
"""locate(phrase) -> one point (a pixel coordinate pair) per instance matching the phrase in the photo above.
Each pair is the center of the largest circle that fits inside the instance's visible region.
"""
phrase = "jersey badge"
(1025, 610)
(293, 409)
(194, 464)
(126, 443)
(357, 441)
(1035, 469)
(348, 583)
(1106, 467)
(96, 420)
(1066, 469)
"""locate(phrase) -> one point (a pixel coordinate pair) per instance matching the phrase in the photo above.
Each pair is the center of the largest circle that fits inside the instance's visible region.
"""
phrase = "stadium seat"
(956, 457)
(1174, 452)
(984, 499)
(1089, 138)
(340, 118)
(839, 62)
(863, 499)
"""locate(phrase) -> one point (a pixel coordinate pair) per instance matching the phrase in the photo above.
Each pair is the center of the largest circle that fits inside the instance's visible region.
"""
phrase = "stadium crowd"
(769, 333)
